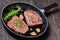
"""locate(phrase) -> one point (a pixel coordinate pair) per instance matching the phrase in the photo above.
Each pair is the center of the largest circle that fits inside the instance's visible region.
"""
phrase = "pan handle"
(46, 9)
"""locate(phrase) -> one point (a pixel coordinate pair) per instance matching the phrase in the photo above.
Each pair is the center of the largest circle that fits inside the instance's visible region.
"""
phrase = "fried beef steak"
(32, 18)
(18, 25)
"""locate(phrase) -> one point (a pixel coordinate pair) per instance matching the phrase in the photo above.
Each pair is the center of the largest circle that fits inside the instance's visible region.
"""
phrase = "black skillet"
(26, 6)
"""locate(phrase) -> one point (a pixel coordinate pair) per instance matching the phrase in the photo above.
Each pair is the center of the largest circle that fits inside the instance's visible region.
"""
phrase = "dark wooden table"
(53, 31)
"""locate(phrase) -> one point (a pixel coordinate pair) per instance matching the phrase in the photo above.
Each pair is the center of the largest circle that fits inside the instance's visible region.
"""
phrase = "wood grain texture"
(53, 31)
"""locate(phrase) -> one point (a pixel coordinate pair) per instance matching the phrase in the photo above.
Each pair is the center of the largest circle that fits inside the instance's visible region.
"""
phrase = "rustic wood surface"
(53, 32)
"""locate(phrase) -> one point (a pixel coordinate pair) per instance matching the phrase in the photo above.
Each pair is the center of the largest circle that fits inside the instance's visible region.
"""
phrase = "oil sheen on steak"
(23, 26)
(32, 18)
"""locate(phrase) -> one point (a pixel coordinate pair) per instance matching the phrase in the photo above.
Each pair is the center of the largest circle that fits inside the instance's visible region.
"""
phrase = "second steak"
(32, 18)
